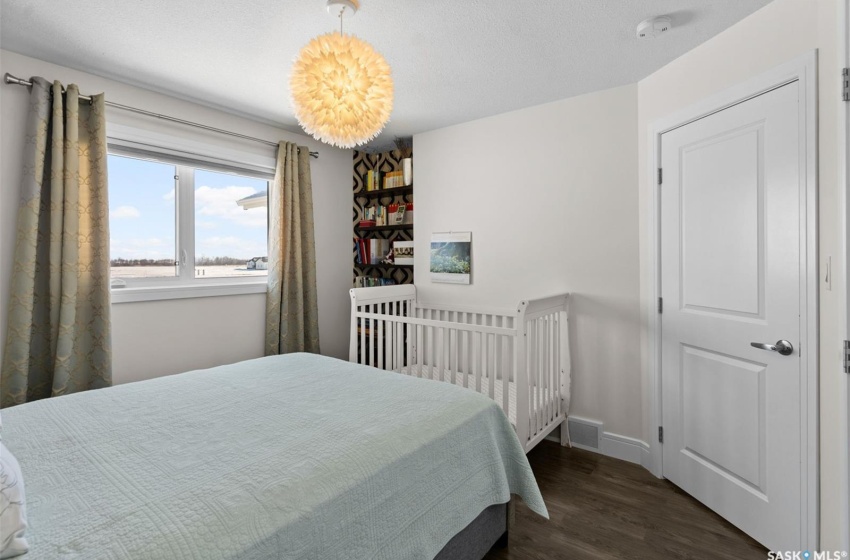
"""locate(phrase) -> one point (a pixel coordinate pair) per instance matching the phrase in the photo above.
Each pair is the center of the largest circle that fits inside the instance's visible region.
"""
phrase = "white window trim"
(185, 285)
(183, 291)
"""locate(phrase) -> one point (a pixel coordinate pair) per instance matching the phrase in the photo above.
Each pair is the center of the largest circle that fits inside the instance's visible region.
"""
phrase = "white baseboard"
(612, 445)
(624, 448)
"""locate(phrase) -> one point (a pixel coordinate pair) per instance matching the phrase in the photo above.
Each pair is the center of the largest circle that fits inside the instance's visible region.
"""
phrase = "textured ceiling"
(453, 60)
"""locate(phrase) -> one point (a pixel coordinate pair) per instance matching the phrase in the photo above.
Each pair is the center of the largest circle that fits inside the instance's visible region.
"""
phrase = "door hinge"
(845, 84)
(660, 175)
(660, 434)
(661, 305)
(847, 356)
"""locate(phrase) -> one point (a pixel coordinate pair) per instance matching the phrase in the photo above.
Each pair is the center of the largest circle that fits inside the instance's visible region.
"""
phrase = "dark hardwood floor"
(604, 508)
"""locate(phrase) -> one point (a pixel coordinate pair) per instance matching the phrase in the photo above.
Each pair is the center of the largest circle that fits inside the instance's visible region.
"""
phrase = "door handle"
(782, 346)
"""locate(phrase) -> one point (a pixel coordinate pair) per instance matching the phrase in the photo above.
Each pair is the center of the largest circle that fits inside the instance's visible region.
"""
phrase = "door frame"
(803, 70)
(844, 247)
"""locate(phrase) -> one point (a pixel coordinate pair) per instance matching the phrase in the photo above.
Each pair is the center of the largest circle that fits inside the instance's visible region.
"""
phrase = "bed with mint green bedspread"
(295, 456)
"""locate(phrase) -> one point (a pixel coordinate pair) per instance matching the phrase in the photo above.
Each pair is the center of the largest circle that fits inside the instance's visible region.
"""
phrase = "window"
(185, 227)
(142, 214)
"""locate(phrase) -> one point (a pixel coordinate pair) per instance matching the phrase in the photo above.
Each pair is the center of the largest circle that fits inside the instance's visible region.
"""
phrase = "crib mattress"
(543, 398)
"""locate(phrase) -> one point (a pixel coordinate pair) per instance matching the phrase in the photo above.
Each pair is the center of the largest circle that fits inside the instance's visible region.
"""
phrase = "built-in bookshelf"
(364, 199)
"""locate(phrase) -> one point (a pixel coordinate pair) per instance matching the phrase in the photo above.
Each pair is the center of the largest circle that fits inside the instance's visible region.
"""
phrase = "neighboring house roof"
(256, 200)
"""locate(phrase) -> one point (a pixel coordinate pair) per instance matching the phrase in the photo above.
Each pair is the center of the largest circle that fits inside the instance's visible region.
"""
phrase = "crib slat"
(527, 354)
(408, 342)
(553, 388)
(463, 350)
(541, 403)
(532, 382)
(398, 347)
(539, 392)
(556, 388)
(411, 336)
(491, 376)
(543, 363)
(553, 376)
(506, 376)
(363, 349)
(394, 337)
(420, 349)
(544, 370)
(532, 375)
(548, 393)
(441, 349)
(398, 350)
(537, 330)
(485, 355)
(477, 362)
(388, 340)
(380, 357)
(467, 355)
(370, 337)
(429, 348)
(456, 356)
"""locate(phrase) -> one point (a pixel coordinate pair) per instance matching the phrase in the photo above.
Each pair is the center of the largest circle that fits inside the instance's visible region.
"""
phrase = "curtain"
(58, 336)
(292, 315)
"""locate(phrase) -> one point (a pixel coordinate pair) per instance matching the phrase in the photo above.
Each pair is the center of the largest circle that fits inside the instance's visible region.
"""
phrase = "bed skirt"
(489, 529)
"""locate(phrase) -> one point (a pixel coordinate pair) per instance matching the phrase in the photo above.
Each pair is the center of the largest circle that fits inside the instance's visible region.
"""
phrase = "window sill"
(157, 293)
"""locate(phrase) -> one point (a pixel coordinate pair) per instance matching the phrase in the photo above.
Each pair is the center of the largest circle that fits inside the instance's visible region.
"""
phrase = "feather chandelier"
(341, 88)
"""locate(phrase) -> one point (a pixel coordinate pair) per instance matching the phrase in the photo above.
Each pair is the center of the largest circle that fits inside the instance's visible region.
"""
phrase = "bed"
(295, 456)
(519, 357)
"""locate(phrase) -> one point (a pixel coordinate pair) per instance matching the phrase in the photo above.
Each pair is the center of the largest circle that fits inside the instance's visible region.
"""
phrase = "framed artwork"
(403, 252)
(451, 257)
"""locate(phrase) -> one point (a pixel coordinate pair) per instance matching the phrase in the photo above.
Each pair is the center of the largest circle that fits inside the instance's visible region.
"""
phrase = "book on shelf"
(362, 251)
(373, 180)
(393, 179)
(394, 214)
(371, 251)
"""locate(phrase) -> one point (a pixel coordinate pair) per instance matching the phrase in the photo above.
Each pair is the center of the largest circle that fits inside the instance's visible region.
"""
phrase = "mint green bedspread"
(295, 456)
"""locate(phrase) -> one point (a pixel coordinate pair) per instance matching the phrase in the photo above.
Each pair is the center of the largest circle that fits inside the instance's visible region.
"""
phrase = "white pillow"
(13, 516)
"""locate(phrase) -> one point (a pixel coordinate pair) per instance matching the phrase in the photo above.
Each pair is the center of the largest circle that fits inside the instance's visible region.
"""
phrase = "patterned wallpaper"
(386, 161)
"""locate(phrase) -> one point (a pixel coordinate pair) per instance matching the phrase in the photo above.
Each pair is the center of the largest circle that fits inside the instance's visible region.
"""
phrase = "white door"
(730, 276)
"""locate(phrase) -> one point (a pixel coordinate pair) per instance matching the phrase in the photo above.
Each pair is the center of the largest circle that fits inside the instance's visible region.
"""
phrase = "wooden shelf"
(400, 227)
(384, 193)
(382, 266)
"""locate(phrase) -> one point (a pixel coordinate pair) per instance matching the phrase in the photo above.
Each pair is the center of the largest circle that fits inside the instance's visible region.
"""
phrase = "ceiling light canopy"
(342, 89)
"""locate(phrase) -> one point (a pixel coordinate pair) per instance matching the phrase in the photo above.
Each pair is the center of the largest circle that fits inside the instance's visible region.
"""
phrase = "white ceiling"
(453, 60)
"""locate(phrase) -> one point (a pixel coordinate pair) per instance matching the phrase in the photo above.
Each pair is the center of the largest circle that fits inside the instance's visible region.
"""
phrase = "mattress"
(295, 456)
(539, 398)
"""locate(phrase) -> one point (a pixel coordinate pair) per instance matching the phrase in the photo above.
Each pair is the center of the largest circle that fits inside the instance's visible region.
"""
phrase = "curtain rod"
(10, 79)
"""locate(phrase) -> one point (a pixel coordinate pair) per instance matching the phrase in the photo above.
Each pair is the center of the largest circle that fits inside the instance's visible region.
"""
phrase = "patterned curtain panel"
(58, 339)
(292, 314)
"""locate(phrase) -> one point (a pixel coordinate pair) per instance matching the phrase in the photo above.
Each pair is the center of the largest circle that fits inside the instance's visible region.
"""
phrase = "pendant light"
(342, 89)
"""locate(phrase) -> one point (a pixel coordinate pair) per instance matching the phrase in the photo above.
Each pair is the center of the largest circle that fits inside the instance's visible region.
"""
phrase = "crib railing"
(483, 350)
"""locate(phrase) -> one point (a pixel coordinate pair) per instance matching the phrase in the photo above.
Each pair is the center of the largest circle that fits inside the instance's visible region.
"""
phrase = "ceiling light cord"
(341, 13)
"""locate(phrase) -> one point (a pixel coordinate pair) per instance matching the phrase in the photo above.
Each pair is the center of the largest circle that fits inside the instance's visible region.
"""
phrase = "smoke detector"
(653, 27)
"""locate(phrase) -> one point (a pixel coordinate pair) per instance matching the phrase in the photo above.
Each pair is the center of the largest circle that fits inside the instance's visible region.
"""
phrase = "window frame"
(184, 284)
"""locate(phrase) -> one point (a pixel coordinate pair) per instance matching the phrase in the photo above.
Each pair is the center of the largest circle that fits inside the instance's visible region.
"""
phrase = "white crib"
(518, 357)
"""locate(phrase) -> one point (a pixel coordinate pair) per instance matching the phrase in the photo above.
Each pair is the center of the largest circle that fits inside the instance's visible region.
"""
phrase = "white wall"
(159, 338)
(550, 196)
(777, 33)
